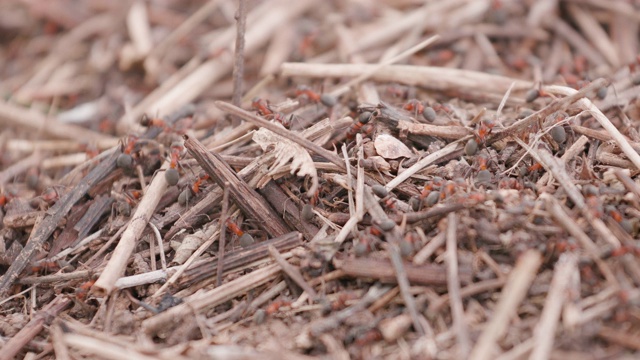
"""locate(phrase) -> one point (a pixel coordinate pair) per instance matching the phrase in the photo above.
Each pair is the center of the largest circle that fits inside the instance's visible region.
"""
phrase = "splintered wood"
(308, 179)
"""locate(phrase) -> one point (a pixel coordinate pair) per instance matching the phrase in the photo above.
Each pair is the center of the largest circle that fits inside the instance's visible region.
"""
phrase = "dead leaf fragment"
(287, 151)
(389, 147)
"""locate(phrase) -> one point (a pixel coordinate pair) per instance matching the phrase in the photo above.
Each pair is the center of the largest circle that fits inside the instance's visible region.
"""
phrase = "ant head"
(145, 120)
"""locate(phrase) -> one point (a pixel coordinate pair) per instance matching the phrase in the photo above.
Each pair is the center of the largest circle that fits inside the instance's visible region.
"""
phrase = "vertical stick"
(223, 233)
(238, 63)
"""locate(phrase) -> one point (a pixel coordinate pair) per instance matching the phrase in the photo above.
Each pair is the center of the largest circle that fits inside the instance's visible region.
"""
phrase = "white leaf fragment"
(389, 147)
(286, 151)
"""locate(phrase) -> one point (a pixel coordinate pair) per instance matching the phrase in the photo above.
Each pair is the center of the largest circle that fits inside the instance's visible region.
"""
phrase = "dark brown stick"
(247, 199)
(223, 233)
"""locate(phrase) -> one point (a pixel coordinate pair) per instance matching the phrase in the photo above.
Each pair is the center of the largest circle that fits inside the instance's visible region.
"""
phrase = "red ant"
(244, 238)
(196, 185)
(147, 121)
(371, 336)
(303, 91)
(125, 160)
(534, 167)
(179, 127)
(509, 183)
(171, 175)
(483, 129)
(263, 109)
(129, 144)
(46, 266)
(360, 125)
(276, 305)
(414, 106)
(176, 152)
(482, 162)
(341, 301)
(83, 290)
(5, 198)
(261, 106)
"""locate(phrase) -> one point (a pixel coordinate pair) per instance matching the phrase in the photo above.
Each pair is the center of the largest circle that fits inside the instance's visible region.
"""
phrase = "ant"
(244, 238)
(45, 267)
(261, 106)
(5, 197)
(187, 193)
(360, 125)
(125, 160)
(305, 92)
(276, 305)
(324, 99)
(171, 175)
(130, 199)
(414, 106)
(179, 127)
(263, 109)
(83, 290)
(483, 129)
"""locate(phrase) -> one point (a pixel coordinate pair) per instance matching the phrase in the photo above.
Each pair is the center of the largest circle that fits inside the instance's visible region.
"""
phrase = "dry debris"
(392, 179)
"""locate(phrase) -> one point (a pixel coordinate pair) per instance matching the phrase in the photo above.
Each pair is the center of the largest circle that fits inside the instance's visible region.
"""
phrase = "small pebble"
(428, 113)
(172, 176)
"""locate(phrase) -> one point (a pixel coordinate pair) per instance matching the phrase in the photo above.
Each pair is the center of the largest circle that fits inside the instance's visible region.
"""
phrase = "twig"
(453, 285)
(182, 268)
(513, 293)
(247, 199)
(586, 104)
(245, 115)
(558, 171)
(29, 331)
(292, 272)
(238, 63)
(562, 217)
(207, 299)
(158, 238)
(424, 162)
(428, 274)
(51, 219)
(118, 262)
(224, 215)
(566, 271)
(370, 72)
